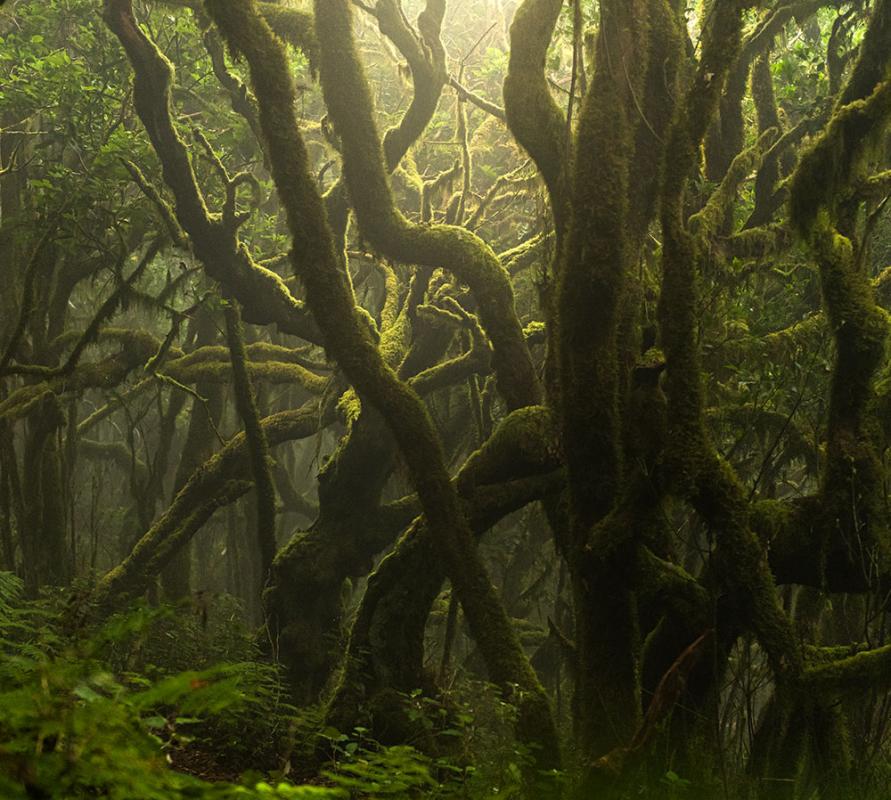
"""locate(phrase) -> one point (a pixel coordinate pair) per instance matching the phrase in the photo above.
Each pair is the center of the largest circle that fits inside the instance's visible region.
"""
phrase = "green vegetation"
(445, 398)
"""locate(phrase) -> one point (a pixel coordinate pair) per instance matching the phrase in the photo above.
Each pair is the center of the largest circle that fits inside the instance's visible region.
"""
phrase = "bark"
(222, 479)
(255, 438)
(347, 339)
(198, 446)
(386, 646)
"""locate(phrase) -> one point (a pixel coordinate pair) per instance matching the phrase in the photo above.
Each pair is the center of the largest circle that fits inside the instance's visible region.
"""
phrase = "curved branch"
(480, 102)
(693, 466)
(264, 296)
(386, 229)
(347, 339)
(219, 481)
(822, 205)
(532, 114)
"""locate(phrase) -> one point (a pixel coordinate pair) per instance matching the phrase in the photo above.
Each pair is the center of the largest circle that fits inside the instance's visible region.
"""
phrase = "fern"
(72, 727)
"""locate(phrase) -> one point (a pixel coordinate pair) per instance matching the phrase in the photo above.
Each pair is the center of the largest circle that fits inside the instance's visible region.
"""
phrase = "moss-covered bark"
(822, 204)
(255, 438)
(516, 465)
(264, 297)
(346, 337)
(384, 227)
(221, 479)
(618, 153)
(531, 112)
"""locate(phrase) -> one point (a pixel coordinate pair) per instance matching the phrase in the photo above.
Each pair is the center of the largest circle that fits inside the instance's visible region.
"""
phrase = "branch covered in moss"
(868, 671)
(822, 209)
(694, 467)
(533, 116)
(108, 373)
(220, 480)
(426, 60)
(707, 222)
(386, 229)
(347, 338)
(876, 187)
(264, 296)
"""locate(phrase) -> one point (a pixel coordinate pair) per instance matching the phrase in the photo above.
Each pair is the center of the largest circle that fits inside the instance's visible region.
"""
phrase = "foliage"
(609, 235)
(71, 728)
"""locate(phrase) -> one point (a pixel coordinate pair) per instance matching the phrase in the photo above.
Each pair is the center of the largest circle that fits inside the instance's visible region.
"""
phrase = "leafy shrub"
(71, 728)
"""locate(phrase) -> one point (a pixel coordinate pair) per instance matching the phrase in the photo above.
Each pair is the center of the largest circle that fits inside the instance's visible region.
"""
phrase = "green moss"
(258, 446)
(593, 272)
(521, 444)
(473, 262)
(693, 467)
(350, 406)
(294, 26)
(823, 191)
(759, 243)
(865, 671)
(708, 222)
(276, 372)
(825, 172)
(219, 481)
(532, 114)
(346, 338)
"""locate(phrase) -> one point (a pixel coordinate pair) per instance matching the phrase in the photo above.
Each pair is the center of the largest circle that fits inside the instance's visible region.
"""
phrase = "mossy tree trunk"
(636, 230)
(198, 446)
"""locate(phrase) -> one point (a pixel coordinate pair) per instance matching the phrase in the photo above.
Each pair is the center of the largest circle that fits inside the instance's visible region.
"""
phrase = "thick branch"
(347, 338)
(693, 465)
(533, 116)
(350, 107)
(222, 479)
(264, 296)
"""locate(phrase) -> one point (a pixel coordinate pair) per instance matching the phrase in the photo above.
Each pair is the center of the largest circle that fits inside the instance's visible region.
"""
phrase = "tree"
(690, 382)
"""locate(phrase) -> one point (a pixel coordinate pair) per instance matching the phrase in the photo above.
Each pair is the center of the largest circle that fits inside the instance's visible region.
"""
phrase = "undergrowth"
(161, 703)
(85, 715)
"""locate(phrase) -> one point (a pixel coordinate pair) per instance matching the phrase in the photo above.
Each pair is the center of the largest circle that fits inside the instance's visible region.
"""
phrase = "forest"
(445, 399)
